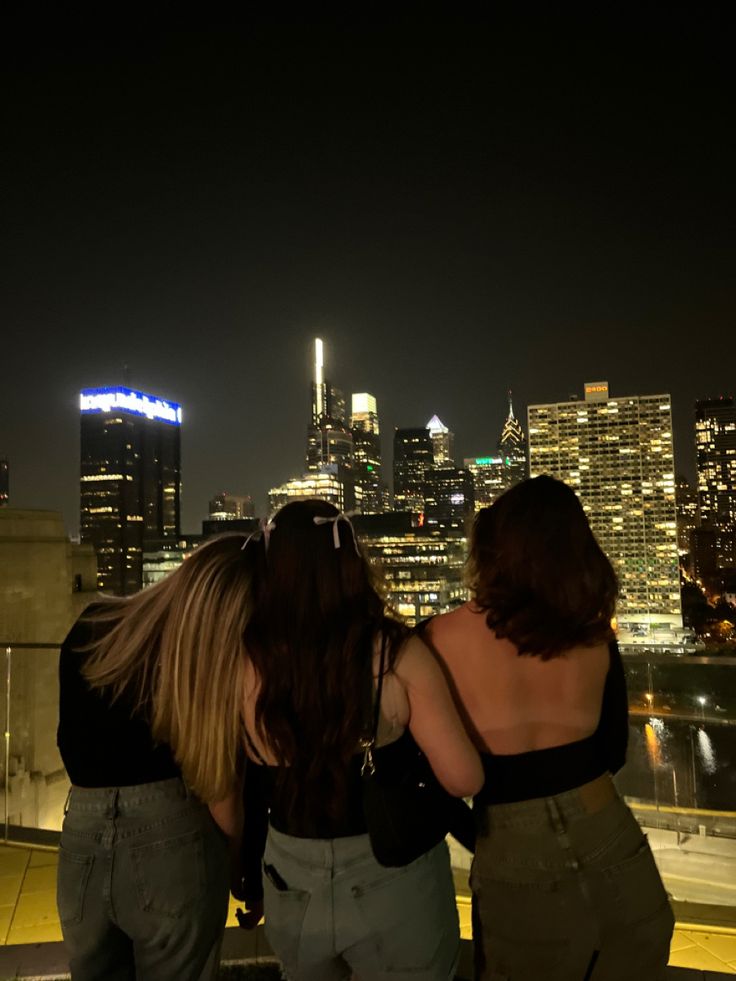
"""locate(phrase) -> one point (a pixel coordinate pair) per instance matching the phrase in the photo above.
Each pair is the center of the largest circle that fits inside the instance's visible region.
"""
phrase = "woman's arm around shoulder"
(434, 721)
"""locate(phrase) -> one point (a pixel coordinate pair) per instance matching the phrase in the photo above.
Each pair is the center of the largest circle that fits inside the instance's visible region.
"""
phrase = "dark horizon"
(456, 207)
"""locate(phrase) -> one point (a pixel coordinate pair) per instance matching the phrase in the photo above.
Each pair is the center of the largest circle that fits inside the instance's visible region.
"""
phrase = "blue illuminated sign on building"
(126, 400)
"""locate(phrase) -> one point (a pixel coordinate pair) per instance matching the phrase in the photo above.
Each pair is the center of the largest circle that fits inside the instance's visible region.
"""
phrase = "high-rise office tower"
(323, 484)
(686, 497)
(329, 441)
(512, 448)
(229, 507)
(371, 494)
(715, 445)
(492, 475)
(449, 499)
(413, 458)
(443, 443)
(130, 480)
(4, 483)
(421, 567)
(617, 454)
(490, 478)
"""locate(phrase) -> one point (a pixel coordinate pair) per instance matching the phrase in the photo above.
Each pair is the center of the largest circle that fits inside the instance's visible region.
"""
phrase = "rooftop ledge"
(703, 947)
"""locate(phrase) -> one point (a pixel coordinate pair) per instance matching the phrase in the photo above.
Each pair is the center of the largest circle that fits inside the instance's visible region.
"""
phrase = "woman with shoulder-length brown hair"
(150, 734)
(564, 884)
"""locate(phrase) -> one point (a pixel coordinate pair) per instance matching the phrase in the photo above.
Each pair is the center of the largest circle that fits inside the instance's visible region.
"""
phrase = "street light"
(702, 701)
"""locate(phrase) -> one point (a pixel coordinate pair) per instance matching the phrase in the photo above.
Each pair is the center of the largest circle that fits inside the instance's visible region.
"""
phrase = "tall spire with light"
(318, 383)
(329, 440)
(512, 435)
(512, 447)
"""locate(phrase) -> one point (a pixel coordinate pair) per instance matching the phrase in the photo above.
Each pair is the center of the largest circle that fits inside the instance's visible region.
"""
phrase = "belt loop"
(558, 826)
(112, 804)
(555, 816)
(67, 801)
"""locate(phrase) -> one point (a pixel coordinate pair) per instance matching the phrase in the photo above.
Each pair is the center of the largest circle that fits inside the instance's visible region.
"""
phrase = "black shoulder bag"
(407, 812)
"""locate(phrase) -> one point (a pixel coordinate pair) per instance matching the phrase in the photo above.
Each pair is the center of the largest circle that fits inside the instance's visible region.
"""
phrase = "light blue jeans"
(563, 894)
(143, 883)
(331, 909)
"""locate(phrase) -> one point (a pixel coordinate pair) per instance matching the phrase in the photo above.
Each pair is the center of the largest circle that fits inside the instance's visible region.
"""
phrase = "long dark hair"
(318, 612)
(538, 572)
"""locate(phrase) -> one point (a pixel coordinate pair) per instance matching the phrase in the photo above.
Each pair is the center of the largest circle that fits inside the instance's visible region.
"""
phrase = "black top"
(101, 743)
(270, 795)
(292, 809)
(545, 772)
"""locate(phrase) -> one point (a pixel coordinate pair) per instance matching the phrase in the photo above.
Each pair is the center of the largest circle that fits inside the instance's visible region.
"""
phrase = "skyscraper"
(413, 458)
(4, 483)
(323, 484)
(449, 499)
(443, 443)
(490, 478)
(512, 448)
(130, 480)
(715, 445)
(494, 474)
(422, 567)
(370, 491)
(228, 507)
(686, 498)
(329, 441)
(617, 454)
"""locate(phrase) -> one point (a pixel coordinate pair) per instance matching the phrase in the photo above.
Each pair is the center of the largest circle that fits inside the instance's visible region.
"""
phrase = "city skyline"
(195, 511)
(486, 205)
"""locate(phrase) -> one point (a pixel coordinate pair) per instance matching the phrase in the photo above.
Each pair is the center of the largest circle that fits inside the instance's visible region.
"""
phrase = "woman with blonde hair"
(324, 659)
(149, 732)
(564, 884)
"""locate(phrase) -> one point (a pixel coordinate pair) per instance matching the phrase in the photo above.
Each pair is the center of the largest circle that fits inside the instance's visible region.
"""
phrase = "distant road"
(683, 715)
(699, 870)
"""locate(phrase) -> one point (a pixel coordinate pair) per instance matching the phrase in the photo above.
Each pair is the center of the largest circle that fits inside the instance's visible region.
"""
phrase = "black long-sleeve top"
(102, 742)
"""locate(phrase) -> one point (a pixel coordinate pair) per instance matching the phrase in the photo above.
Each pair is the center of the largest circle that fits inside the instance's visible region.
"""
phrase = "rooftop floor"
(28, 912)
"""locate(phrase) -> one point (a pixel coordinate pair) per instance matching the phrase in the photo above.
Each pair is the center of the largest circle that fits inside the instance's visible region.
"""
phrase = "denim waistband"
(322, 853)
(569, 806)
(126, 801)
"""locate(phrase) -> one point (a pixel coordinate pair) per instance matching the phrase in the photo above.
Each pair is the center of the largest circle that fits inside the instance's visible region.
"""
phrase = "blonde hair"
(176, 649)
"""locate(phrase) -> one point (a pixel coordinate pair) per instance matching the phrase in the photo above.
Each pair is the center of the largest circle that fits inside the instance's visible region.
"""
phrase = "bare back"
(514, 704)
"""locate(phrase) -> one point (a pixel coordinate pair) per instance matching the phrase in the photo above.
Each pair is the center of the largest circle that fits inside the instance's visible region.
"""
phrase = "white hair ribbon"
(264, 529)
(334, 521)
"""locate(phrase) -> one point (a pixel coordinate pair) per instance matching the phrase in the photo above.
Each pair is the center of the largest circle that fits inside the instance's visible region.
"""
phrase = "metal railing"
(682, 743)
(9, 647)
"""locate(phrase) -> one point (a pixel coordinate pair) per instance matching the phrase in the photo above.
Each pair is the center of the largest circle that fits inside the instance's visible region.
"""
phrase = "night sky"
(455, 205)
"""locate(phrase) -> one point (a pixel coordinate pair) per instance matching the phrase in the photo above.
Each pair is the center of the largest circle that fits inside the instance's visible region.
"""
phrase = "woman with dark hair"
(564, 884)
(315, 642)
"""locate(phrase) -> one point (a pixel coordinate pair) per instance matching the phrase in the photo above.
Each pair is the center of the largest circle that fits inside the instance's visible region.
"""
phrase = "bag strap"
(379, 689)
(368, 745)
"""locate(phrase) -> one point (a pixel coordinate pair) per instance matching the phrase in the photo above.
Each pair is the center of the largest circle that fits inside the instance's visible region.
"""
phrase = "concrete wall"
(45, 582)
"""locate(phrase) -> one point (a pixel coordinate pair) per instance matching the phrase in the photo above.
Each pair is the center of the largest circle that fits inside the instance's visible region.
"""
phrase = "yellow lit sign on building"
(596, 391)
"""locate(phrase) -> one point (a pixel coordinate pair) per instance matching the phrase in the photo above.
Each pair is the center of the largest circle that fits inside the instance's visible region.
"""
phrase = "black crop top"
(269, 796)
(102, 744)
(545, 772)
(293, 812)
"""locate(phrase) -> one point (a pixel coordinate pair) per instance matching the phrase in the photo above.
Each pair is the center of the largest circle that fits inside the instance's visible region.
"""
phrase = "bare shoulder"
(446, 628)
(416, 662)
